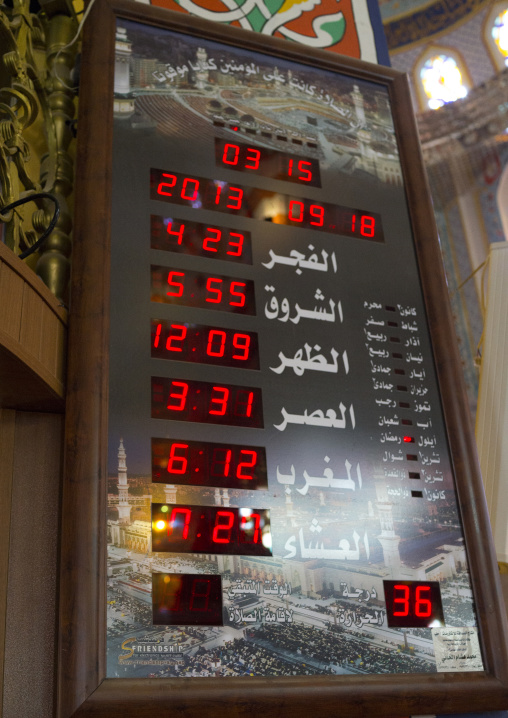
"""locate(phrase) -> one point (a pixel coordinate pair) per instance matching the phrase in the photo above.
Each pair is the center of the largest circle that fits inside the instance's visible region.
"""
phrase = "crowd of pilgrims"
(340, 649)
(175, 564)
(238, 657)
(253, 656)
(134, 612)
(459, 612)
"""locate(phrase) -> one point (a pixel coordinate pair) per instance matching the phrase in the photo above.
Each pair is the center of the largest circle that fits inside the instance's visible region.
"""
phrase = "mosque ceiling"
(411, 21)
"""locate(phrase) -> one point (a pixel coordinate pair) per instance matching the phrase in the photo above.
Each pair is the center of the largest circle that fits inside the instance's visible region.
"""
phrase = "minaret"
(123, 52)
(123, 104)
(279, 81)
(202, 73)
(359, 105)
(290, 514)
(388, 540)
(124, 510)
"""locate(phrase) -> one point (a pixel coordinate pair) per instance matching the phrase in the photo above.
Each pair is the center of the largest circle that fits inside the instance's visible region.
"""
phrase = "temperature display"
(267, 162)
(211, 529)
(413, 604)
(207, 291)
(186, 599)
(206, 402)
(202, 193)
(201, 240)
(202, 344)
(202, 463)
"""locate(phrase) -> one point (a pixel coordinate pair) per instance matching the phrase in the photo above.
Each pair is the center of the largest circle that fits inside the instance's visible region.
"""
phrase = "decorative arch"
(445, 68)
(495, 34)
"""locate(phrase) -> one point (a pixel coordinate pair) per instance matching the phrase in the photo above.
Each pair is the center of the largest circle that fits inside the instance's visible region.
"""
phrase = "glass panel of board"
(281, 498)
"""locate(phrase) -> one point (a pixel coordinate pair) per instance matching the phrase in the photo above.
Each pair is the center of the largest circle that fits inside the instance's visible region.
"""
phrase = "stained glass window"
(442, 80)
(500, 33)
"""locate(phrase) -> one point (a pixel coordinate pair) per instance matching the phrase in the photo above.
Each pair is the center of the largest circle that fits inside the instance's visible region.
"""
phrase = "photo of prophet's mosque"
(310, 600)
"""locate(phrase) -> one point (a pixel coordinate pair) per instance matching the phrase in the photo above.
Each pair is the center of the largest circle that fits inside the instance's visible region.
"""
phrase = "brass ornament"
(36, 111)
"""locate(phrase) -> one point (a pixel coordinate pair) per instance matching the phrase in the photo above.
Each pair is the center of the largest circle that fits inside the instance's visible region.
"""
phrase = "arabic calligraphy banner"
(348, 27)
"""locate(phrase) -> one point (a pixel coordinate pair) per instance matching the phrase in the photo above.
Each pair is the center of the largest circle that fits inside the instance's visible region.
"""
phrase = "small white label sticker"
(457, 649)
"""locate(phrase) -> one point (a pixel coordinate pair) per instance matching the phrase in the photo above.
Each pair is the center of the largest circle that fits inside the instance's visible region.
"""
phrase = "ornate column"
(57, 169)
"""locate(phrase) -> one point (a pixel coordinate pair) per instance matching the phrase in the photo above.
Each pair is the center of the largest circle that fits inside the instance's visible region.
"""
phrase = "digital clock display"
(262, 226)
(206, 402)
(182, 236)
(203, 463)
(413, 604)
(186, 599)
(202, 193)
(202, 344)
(229, 531)
(267, 162)
(207, 291)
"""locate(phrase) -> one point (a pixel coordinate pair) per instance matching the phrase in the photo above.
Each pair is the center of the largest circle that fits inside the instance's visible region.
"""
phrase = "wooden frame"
(82, 687)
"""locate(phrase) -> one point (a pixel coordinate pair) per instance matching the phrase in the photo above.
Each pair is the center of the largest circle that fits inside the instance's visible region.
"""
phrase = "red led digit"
(290, 168)
(173, 523)
(238, 244)
(353, 223)
(226, 526)
(246, 464)
(157, 335)
(404, 600)
(241, 302)
(172, 593)
(158, 395)
(181, 396)
(222, 343)
(177, 464)
(211, 239)
(221, 401)
(223, 463)
(218, 193)
(247, 403)
(306, 175)
(178, 234)
(187, 181)
(226, 155)
(177, 285)
(217, 292)
(245, 526)
(196, 605)
(423, 606)
(299, 206)
(175, 337)
(236, 201)
(241, 342)
(367, 226)
(167, 184)
(255, 158)
(318, 213)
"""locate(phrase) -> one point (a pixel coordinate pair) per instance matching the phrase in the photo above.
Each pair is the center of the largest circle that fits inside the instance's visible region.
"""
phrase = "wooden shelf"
(33, 340)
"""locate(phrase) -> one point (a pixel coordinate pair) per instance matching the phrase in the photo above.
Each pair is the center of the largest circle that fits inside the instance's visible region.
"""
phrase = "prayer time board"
(262, 342)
